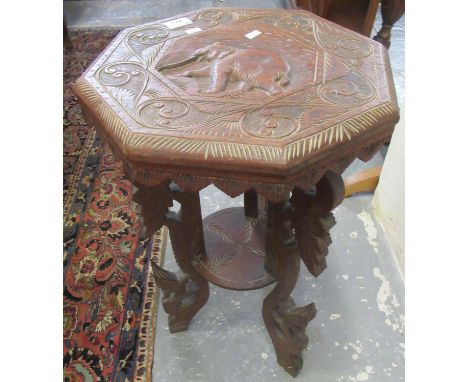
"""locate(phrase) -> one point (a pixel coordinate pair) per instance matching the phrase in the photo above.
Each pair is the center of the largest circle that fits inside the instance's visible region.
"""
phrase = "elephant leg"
(244, 86)
(219, 80)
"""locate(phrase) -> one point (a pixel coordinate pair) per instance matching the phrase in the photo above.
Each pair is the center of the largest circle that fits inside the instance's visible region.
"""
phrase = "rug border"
(151, 296)
(77, 174)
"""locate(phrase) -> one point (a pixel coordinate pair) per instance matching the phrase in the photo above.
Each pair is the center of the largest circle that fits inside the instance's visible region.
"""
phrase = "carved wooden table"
(273, 104)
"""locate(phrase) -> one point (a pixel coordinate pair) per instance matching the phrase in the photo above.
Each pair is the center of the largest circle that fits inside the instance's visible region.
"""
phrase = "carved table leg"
(184, 293)
(285, 321)
(313, 219)
(299, 229)
(251, 203)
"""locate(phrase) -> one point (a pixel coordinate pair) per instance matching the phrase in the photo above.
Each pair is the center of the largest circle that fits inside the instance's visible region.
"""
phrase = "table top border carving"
(280, 157)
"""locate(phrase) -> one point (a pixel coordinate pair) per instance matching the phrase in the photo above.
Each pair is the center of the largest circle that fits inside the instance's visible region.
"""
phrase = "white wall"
(389, 197)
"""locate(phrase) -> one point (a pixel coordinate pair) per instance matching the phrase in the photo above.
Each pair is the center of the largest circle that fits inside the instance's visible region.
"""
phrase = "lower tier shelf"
(235, 250)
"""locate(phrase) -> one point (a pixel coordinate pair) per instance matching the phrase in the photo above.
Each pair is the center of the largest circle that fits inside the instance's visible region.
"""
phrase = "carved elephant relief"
(252, 68)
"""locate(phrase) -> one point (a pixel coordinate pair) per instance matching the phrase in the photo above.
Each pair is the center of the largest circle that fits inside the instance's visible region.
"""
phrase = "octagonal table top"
(271, 95)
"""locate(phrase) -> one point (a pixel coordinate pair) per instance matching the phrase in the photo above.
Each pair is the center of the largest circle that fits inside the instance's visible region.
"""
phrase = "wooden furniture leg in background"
(357, 15)
(391, 11)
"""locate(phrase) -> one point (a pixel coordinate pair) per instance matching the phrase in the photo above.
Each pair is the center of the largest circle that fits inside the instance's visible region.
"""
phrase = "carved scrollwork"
(340, 44)
(353, 89)
(126, 81)
(271, 122)
(294, 21)
(151, 36)
(213, 17)
(142, 38)
(146, 43)
(161, 112)
(120, 73)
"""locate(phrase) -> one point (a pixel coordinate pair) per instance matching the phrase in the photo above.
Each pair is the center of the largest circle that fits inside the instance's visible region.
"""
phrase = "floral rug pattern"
(109, 313)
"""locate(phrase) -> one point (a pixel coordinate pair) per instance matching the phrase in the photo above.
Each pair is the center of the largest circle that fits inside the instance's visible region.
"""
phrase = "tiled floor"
(358, 334)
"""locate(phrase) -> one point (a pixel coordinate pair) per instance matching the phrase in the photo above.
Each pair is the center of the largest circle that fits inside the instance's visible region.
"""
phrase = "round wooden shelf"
(235, 250)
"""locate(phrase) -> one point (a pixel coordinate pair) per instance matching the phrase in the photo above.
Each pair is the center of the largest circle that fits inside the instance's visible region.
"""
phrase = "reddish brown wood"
(357, 15)
(235, 250)
(280, 109)
(280, 113)
(313, 219)
(154, 204)
(284, 321)
(185, 293)
(251, 203)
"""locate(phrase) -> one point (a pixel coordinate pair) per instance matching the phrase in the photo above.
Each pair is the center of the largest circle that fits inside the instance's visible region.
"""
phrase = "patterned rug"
(109, 314)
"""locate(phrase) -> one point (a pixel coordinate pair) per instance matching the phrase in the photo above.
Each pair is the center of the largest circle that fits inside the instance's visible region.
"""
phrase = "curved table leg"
(285, 321)
(186, 292)
(299, 229)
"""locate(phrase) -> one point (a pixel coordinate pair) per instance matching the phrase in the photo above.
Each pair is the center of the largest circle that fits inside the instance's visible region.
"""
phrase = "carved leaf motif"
(218, 108)
(250, 229)
(152, 93)
(150, 54)
(124, 96)
(214, 264)
(320, 115)
(225, 236)
(254, 251)
(314, 242)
